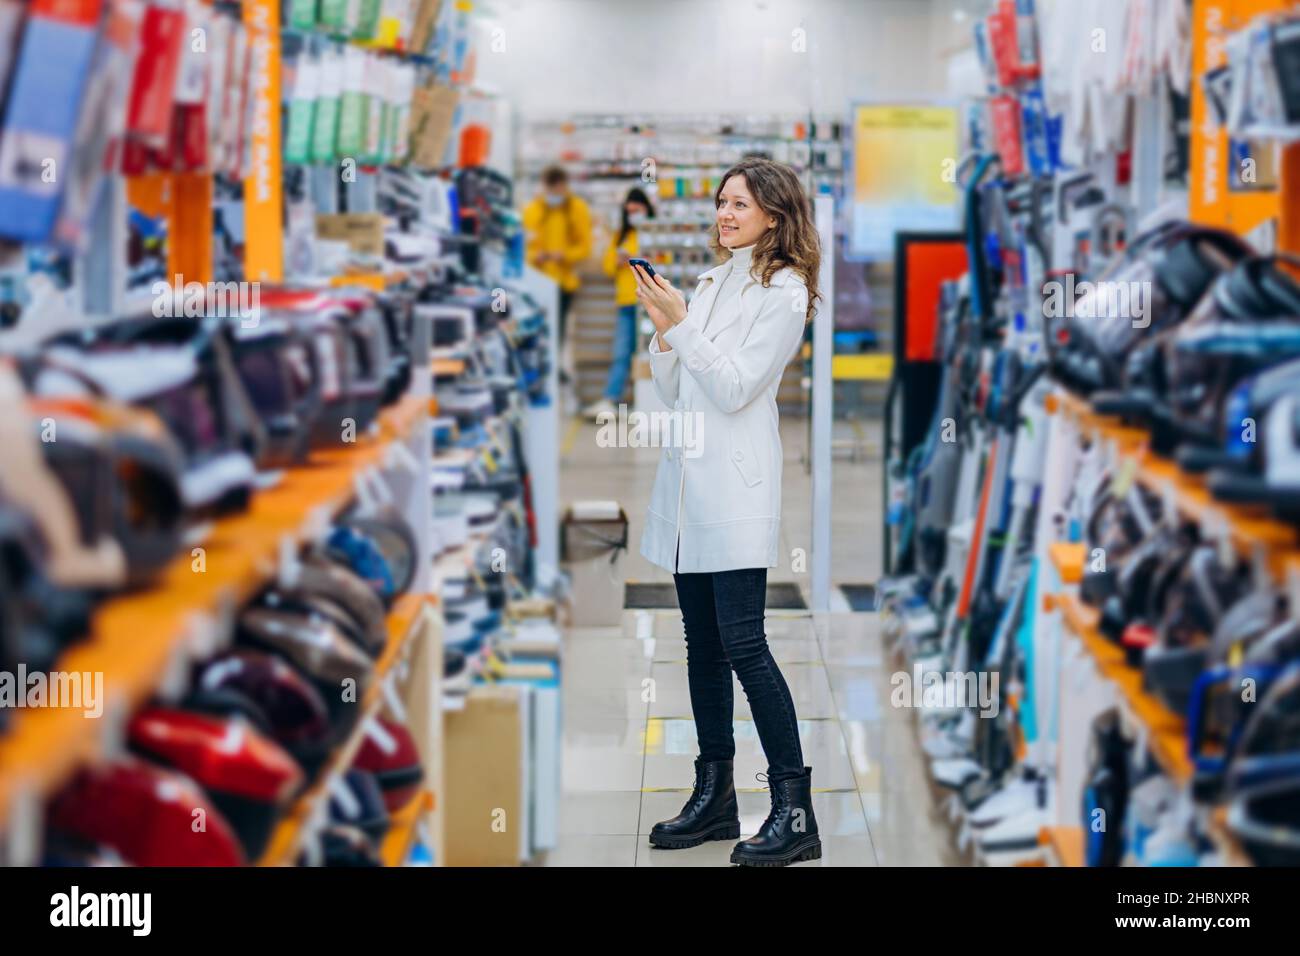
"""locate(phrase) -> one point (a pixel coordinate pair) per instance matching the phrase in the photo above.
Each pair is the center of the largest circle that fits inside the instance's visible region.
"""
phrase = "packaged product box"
(426, 19)
(367, 21)
(40, 119)
(302, 14)
(97, 146)
(302, 110)
(432, 110)
(333, 15)
(402, 95)
(11, 23)
(376, 86)
(325, 124)
(362, 231)
(486, 807)
(153, 90)
(353, 105)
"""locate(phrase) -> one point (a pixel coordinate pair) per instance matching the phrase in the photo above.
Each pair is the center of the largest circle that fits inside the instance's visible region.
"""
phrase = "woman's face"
(741, 222)
(636, 210)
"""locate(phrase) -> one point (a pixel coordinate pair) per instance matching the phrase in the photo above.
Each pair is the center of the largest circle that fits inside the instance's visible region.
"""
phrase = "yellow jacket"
(564, 229)
(624, 280)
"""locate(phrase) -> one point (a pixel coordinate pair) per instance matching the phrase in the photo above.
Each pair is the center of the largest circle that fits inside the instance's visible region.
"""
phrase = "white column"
(822, 349)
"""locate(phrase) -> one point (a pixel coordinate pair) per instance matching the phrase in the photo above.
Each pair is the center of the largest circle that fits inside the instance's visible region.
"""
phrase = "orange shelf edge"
(134, 636)
(1065, 842)
(1068, 557)
(282, 849)
(1166, 731)
(446, 366)
(1249, 528)
(399, 839)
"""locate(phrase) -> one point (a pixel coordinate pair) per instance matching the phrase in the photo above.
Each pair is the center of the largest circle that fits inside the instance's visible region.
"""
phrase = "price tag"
(1293, 588)
(176, 675)
(25, 829)
(393, 699)
(1261, 571)
(1169, 497)
(399, 456)
(319, 522)
(112, 727)
(290, 565)
(364, 495)
(383, 491)
(1219, 531)
(1125, 470)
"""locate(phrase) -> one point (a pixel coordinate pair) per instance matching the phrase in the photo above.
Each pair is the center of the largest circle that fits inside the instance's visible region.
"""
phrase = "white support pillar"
(822, 399)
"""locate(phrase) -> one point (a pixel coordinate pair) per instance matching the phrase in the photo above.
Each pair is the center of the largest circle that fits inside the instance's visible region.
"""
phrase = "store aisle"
(629, 741)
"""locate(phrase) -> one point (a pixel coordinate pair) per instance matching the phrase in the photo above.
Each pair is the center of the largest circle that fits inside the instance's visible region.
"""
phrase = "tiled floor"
(630, 742)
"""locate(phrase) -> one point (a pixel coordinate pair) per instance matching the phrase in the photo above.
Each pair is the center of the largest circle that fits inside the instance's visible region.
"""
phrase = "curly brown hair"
(793, 242)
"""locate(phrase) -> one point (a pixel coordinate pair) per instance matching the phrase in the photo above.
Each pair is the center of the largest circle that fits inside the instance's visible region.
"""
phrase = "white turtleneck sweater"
(727, 300)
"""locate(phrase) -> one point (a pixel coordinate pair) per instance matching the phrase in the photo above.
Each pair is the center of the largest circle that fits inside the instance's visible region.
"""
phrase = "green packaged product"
(367, 21)
(302, 14)
(333, 15)
(302, 112)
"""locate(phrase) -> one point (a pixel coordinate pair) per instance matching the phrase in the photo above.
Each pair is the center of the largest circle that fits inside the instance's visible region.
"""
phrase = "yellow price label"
(1123, 480)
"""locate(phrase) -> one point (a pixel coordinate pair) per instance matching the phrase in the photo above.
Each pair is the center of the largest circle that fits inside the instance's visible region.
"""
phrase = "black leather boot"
(789, 834)
(709, 814)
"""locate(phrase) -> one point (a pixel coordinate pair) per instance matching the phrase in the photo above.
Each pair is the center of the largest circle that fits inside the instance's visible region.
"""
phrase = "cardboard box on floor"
(486, 816)
(591, 551)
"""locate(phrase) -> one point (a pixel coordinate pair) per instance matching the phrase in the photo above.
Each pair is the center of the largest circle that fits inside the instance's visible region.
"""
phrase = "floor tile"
(599, 813)
(598, 851)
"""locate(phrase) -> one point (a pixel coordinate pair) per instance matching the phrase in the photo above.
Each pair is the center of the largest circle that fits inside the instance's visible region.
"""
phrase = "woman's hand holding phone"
(665, 305)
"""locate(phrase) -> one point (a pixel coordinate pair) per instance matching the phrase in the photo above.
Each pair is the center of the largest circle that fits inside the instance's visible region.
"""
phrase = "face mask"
(553, 200)
(636, 219)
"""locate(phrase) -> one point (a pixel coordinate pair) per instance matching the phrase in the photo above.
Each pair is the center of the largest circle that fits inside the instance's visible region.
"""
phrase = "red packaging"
(1002, 41)
(82, 13)
(1005, 113)
(135, 157)
(153, 88)
(191, 127)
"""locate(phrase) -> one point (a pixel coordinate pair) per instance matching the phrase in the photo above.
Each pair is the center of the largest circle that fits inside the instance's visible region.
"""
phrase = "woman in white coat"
(715, 509)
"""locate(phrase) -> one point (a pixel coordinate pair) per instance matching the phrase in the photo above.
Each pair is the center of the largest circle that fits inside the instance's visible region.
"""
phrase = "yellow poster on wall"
(903, 161)
(263, 229)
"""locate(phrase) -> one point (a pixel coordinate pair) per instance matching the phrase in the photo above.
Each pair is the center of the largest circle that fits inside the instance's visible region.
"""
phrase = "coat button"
(738, 455)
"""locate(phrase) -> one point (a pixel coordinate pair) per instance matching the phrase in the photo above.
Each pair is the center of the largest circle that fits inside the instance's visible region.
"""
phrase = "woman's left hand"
(665, 305)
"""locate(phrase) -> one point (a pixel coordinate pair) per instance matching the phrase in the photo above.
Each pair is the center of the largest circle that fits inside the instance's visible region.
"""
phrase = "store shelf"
(1167, 734)
(1065, 844)
(402, 830)
(294, 828)
(1252, 531)
(376, 281)
(135, 638)
(1067, 557)
(447, 367)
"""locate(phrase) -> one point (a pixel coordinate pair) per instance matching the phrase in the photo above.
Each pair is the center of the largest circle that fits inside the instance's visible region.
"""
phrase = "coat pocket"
(741, 453)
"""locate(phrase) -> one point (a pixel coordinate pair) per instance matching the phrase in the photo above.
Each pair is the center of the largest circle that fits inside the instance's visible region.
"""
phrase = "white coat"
(719, 497)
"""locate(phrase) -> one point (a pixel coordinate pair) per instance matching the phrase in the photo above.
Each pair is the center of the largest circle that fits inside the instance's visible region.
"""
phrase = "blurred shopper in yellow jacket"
(625, 245)
(558, 228)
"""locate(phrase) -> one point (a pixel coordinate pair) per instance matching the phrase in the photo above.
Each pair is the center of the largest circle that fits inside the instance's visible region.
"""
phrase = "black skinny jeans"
(723, 615)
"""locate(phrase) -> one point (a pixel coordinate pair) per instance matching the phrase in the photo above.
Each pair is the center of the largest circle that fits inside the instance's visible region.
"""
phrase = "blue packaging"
(41, 118)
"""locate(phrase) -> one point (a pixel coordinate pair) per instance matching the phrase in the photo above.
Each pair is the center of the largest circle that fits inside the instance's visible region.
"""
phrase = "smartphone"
(644, 264)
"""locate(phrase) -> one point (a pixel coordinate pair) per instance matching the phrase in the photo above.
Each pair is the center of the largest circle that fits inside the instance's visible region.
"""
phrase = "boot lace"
(777, 795)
